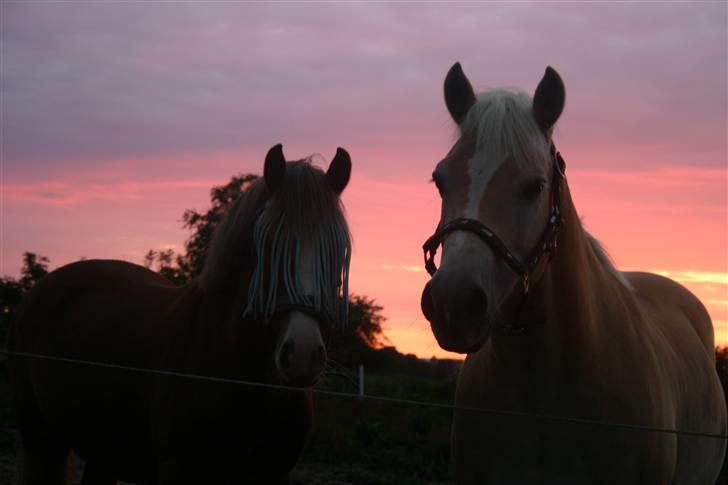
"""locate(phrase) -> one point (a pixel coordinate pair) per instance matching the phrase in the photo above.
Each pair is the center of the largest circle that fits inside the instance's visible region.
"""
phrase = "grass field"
(354, 441)
(402, 443)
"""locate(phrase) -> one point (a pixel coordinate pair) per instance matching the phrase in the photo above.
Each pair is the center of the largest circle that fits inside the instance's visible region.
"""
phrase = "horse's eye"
(437, 178)
(533, 188)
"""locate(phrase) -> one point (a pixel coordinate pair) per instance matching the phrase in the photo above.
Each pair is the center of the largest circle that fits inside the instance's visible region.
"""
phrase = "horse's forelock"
(303, 216)
(500, 127)
(502, 124)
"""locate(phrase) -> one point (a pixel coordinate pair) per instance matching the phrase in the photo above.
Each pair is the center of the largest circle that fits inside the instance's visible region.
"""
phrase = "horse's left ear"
(548, 101)
(339, 171)
(275, 167)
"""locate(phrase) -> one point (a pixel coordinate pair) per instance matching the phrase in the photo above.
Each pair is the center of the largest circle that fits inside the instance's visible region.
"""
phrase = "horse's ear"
(459, 94)
(275, 167)
(339, 171)
(548, 101)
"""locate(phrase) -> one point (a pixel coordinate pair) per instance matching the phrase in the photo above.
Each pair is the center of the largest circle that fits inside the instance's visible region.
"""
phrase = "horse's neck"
(211, 321)
(224, 290)
(579, 300)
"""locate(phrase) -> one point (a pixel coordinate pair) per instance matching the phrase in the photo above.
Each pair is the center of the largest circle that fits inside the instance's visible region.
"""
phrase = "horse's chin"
(277, 378)
(301, 382)
(461, 340)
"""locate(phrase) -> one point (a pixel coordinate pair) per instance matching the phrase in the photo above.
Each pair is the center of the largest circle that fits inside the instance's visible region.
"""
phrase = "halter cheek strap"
(546, 245)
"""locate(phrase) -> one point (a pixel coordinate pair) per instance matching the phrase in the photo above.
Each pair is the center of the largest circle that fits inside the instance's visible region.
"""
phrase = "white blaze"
(481, 169)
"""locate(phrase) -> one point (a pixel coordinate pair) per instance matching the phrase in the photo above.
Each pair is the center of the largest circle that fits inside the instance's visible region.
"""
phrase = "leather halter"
(547, 243)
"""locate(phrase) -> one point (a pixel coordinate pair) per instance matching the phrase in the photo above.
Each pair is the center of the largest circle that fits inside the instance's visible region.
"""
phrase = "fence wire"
(368, 397)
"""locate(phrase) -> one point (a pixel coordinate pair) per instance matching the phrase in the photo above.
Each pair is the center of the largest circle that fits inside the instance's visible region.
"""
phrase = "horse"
(274, 281)
(550, 327)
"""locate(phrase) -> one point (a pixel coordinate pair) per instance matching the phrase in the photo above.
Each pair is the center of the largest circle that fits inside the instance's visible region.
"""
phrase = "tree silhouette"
(361, 335)
(171, 266)
(181, 268)
(34, 268)
(12, 291)
(203, 225)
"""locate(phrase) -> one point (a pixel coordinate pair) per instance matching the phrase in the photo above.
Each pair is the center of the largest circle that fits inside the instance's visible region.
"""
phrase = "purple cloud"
(87, 84)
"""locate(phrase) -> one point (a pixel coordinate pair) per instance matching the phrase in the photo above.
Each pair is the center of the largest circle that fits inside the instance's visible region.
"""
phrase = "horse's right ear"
(275, 167)
(549, 99)
(459, 94)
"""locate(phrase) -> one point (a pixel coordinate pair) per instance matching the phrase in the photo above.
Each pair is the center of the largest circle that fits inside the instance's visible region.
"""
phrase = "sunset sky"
(116, 117)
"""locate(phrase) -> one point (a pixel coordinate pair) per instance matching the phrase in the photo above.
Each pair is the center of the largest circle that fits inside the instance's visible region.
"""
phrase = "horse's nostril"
(426, 303)
(318, 356)
(477, 302)
(284, 358)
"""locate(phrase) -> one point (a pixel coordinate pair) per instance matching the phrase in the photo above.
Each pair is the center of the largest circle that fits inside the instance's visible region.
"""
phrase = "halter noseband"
(547, 243)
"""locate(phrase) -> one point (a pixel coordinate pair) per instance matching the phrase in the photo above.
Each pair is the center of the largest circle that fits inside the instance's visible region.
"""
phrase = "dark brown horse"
(556, 329)
(274, 279)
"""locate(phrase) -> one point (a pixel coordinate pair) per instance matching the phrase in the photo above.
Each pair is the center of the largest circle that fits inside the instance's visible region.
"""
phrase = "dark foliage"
(171, 266)
(721, 365)
(182, 268)
(34, 268)
(11, 290)
(362, 335)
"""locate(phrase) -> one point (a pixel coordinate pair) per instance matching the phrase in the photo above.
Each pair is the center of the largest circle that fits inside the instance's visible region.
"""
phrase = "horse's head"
(302, 245)
(499, 186)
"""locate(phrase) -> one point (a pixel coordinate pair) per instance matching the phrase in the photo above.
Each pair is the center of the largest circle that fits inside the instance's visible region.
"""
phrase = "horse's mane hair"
(232, 244)
(603, 257)
(272, 232)
(503, 124)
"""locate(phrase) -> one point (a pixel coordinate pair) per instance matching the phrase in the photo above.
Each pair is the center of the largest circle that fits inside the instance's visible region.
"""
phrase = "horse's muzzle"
(300, 354)
(458, 314)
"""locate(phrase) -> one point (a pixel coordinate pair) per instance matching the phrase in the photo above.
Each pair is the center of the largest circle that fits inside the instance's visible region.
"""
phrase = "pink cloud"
(67, 194)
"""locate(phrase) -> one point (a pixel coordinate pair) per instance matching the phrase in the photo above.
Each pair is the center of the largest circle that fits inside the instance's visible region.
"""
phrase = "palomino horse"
(274, 279)
(557, 330)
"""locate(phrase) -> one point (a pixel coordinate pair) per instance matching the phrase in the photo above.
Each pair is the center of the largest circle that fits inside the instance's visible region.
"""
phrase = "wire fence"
(368, 397)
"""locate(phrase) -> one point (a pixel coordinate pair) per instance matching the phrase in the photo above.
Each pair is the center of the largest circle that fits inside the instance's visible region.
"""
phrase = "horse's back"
(102, 311)
(91, 308)
(677, 306)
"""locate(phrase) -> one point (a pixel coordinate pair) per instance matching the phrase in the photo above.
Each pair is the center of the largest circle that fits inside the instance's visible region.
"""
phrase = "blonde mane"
(605, 259)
